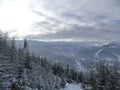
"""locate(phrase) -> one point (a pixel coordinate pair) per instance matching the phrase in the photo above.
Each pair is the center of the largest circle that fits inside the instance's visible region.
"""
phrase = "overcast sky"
(61, 19)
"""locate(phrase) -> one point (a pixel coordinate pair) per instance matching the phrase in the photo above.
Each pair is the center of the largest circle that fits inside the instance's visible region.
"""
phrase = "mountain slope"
(77, 54)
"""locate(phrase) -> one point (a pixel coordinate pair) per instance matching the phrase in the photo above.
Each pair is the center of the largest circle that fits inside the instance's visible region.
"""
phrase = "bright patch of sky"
(17, 18)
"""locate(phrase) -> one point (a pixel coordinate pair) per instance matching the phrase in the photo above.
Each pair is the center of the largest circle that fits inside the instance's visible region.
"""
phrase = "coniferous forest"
(21, 69)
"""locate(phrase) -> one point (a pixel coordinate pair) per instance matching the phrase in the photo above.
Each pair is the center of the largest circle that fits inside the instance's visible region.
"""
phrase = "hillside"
(20, 69)
(79, 55)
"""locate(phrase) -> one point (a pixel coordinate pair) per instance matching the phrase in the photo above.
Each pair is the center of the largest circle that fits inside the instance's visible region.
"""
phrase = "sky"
(61, 20)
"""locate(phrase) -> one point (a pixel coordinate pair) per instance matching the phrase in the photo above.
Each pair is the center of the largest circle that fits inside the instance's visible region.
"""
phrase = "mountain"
(22, 70)
(93, 55)
(80, 55)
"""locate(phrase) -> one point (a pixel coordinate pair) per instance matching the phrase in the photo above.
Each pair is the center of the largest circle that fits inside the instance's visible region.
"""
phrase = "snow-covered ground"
(73, 87)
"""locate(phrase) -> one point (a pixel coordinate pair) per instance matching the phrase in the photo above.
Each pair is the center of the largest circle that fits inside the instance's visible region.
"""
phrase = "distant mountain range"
(80, 55)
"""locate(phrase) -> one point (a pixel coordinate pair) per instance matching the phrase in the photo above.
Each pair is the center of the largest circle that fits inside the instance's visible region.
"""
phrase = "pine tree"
(14, 86)
(91, 79)
(13, 44)
(63, 81)
(25, 45)
(27, 56)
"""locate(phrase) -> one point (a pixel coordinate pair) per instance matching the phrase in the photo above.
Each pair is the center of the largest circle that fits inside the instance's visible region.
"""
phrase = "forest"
(21, 69)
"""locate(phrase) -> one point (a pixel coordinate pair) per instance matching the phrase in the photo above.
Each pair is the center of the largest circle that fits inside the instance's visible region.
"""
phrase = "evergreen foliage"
(22, 70)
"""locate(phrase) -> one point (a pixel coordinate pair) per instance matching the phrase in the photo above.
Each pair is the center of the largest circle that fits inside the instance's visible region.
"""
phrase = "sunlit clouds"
(61, 19)
(16, 16)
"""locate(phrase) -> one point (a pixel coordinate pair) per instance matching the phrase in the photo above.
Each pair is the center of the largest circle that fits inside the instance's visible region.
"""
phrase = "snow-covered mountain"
(108, 53)
(80, 55)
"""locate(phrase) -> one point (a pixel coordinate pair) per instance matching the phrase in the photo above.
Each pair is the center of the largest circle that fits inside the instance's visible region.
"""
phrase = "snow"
(109, 59)
(97, 53)
(79, 66)
(72, 87)
(113, 47)
(118, 57)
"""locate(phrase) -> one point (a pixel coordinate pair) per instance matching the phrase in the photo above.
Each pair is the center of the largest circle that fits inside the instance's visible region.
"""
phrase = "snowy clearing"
(73, 87)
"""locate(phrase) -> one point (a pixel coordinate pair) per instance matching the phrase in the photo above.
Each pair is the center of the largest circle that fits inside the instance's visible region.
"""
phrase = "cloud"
(66, 19)
(83, 7)
(79, 19)
(77, 32)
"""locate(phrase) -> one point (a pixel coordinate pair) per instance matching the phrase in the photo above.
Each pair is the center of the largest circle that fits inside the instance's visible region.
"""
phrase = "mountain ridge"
(86, 53)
